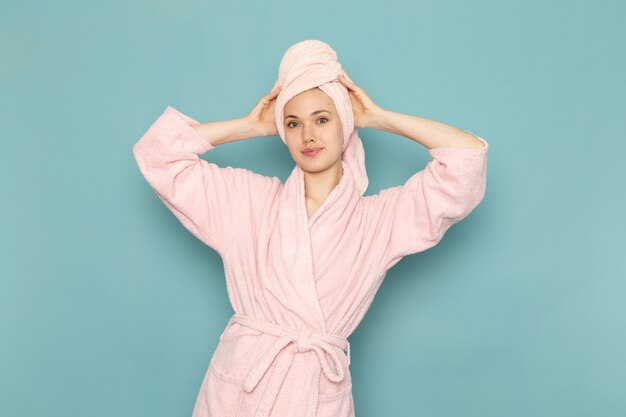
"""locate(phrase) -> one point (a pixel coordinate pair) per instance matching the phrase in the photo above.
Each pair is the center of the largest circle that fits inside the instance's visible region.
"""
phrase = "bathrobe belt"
(289, 342)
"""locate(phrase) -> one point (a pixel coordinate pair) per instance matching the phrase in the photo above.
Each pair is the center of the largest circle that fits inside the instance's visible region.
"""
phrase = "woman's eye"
(321, 118)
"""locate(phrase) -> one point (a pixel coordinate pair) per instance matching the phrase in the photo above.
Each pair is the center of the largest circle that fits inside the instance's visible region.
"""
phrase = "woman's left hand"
(364, 108)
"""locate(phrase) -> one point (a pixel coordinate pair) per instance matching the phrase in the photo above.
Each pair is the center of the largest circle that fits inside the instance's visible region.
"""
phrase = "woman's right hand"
(262, 115)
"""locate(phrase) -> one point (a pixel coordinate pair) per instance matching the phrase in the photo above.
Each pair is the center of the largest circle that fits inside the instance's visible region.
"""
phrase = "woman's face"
(311, 121)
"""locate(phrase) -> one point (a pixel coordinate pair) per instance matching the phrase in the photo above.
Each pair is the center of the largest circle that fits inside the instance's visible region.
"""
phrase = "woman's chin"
(313, 167)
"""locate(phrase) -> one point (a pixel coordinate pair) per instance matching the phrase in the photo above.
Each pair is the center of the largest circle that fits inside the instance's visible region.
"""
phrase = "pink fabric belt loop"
(289, 342)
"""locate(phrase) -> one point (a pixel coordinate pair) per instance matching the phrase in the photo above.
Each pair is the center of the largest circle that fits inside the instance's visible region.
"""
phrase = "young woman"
(304, 259)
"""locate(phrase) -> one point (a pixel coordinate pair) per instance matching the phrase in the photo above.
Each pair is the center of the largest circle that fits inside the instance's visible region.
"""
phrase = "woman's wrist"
(257, 129)
(380, 120)
(225, 131)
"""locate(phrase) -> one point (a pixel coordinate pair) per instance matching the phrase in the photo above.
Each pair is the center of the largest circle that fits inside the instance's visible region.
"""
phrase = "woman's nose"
(307, 134)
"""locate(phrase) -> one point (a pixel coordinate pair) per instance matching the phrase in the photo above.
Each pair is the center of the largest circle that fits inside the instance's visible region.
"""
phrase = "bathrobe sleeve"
(414, 216)
(209, 200)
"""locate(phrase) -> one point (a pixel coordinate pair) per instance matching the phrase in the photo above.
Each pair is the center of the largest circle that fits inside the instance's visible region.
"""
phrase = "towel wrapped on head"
(309, 64)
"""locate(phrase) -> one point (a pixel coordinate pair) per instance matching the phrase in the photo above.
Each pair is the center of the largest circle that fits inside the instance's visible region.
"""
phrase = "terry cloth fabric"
(309, 64)
(299, 286)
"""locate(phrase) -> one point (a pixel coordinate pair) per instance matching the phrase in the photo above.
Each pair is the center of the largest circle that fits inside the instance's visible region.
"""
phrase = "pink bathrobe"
(299, 286)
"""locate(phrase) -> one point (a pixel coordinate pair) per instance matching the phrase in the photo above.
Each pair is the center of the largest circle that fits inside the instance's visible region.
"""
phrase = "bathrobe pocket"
(224, 396)
(235, 354)
(338, 404)
(335, 399)
(238, 350)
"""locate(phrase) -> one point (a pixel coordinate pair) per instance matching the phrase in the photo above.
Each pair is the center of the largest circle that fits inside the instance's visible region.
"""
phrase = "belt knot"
(328, 348)
(303, 340)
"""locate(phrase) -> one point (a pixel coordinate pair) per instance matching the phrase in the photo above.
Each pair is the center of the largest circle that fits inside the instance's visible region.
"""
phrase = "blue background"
(109, 307)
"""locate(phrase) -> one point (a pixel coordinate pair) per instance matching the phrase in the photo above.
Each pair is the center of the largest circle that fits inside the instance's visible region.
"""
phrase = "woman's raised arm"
(209, 200)
(415, 216)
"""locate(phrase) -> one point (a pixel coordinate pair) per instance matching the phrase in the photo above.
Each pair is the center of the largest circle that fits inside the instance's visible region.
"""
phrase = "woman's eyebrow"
(312, 114)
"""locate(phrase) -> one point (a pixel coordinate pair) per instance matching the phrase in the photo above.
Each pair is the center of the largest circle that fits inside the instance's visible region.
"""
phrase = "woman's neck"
(318, 185)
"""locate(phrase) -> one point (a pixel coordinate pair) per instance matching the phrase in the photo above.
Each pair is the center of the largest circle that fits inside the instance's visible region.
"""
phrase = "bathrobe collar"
(293, 219)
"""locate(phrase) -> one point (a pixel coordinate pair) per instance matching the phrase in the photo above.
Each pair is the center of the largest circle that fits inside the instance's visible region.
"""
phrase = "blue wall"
(109, 307)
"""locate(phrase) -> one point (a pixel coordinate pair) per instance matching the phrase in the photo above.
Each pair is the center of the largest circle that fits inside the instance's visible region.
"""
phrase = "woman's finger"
(275, 86)
(274, 92)
(347, 77)
(355, 88)
(266, 100)
(346, 83)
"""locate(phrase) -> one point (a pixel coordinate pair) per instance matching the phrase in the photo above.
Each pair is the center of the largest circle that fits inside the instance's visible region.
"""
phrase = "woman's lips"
(312, 151)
